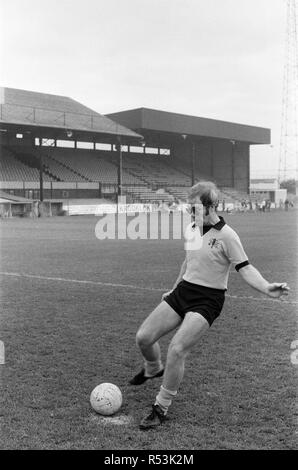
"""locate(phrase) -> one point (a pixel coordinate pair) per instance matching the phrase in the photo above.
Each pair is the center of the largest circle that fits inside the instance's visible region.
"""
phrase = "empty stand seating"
(88, 165)
(154, 170)
(12, 169)
(145, 178)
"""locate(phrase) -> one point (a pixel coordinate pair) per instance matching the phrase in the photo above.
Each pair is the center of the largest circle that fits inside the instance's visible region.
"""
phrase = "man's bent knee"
(143, 339)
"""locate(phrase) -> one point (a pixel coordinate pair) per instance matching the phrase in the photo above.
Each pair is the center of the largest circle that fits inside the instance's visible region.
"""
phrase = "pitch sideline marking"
(132, 286)
(80, 281)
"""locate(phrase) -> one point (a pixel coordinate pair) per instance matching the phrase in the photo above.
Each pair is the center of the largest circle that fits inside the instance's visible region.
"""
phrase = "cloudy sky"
(220, 59)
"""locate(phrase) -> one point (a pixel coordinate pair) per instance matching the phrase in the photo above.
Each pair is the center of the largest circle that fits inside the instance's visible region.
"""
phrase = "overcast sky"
(220, 59)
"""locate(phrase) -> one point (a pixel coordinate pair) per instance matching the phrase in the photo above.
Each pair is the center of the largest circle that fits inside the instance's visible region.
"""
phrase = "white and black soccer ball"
(106, 399)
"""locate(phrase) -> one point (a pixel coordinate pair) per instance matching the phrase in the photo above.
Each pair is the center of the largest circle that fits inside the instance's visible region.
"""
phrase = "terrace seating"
(12, 169)
(62, 172)
(89, 165)
(154, 170)
(145, 178)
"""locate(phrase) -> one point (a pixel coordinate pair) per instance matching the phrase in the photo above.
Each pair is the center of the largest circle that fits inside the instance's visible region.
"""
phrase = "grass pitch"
(71, 305)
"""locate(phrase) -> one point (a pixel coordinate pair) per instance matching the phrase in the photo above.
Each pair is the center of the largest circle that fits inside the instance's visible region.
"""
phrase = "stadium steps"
(151, 176)
(137, 176)
(50, 174)
(138, 179)
(32, 160)
(150, 173)
(155, 172)
(88, 165)
(181, 171)
(73, 172)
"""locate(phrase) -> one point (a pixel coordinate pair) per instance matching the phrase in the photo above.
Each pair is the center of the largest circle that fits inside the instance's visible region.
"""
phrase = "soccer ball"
(106, 399)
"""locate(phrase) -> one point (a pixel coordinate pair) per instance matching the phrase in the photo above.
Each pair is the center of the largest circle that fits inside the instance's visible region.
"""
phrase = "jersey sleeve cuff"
(241, 265)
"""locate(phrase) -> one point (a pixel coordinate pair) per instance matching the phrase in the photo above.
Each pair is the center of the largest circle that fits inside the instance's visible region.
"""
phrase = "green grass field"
(63, 336)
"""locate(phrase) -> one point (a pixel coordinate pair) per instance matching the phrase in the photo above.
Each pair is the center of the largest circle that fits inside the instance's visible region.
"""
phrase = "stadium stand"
(68, 136)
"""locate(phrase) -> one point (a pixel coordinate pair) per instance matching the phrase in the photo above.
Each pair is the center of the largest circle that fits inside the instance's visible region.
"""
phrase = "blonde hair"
(206, 191)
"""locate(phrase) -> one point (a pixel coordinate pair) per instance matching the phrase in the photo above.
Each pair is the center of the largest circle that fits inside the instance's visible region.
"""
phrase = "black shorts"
(188, 297)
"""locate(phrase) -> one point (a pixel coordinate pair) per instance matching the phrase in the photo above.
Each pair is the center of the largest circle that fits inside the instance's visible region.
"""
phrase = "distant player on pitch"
(195, 301)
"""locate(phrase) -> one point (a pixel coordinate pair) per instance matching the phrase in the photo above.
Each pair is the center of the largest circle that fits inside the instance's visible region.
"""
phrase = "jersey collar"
(217, 226)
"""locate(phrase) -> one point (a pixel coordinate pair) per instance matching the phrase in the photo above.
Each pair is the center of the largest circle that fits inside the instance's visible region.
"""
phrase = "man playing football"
(195, 300)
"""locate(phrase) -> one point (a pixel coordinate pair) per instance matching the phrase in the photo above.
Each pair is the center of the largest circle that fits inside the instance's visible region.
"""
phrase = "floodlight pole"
(193, 156)
(40, 173)
(119, 168)
(233, 142)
